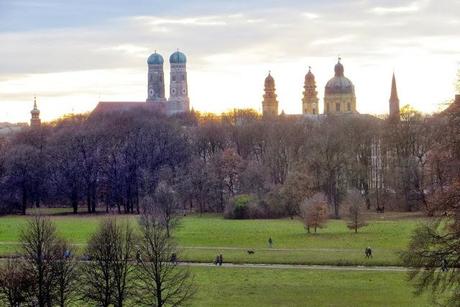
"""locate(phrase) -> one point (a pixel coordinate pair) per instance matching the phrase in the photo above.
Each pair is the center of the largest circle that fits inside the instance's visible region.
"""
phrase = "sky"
(72, 54)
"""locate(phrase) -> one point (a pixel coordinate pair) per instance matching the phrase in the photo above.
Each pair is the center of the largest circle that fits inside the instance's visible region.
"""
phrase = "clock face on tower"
(173, 91)
(150, 92)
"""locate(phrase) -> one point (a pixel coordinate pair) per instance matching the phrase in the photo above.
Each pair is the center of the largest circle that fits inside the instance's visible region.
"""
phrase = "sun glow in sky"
(72, 54)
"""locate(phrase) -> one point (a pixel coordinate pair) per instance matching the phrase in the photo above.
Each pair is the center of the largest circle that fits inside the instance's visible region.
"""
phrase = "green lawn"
(203, 237)
(290, 287)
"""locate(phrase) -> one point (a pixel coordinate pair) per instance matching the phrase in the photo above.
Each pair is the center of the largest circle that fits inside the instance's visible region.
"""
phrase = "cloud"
(413, 7)
(230, 52)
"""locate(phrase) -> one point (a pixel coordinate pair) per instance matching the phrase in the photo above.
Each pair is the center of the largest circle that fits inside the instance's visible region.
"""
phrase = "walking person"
(221, 260)
(270, 242)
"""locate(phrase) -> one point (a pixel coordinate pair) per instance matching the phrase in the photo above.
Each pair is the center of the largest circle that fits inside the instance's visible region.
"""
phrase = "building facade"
(310, 105)
(339, 93)
(270, 102)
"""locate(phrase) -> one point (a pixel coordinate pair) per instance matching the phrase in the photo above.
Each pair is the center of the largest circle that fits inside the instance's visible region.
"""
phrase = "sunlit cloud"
(229, 54)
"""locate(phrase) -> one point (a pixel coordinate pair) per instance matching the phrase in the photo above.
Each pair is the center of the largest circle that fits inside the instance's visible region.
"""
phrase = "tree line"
(111, 161)
(122, 265)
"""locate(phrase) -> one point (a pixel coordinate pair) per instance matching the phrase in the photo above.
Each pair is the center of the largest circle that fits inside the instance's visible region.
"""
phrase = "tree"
(436, 244)
(314, 212)
(161, 281)
(107, 276)
(16, 286)
(48, 263)
(354, 202)
(65, 273)
(163, 205)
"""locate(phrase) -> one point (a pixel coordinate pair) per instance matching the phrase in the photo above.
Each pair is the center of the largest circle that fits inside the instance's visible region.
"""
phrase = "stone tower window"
(348, 106)
(314, 111)
(337, 107)
(327, 108)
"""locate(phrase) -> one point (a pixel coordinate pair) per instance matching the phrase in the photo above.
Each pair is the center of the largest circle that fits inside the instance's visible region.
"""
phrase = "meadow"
(201, 238)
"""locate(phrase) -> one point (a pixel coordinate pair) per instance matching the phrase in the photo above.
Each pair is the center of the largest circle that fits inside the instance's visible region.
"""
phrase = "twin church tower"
(178, 101)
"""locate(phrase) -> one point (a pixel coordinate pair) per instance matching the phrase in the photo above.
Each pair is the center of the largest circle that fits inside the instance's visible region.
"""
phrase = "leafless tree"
(107, 275)
(161, 281)
(355, 204)
(65, 273)
(16, 286)
(313, 212)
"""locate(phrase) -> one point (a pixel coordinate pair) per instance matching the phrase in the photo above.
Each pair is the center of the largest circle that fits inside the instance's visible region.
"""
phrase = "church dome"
(155, 59)
(177, 58)
(339, 84)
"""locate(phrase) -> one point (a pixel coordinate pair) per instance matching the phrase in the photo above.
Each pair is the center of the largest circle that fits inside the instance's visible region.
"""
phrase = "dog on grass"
(251, 252)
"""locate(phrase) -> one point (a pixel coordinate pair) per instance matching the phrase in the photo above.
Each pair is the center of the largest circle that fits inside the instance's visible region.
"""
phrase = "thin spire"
(339, 58)
(309, 68)
(35, 103)
(394, 90)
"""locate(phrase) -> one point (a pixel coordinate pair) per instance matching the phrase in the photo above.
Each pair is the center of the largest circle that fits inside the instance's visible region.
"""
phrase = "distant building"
(156, 79)
(270, 103)
(35, 121)
(310, 100)
(339, 93)
(178, 101)
(394, 101)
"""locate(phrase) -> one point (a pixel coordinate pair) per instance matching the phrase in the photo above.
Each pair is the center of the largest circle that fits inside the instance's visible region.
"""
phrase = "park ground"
(202, 237)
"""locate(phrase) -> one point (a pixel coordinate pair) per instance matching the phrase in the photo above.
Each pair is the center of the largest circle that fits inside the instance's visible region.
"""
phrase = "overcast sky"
(72, 54)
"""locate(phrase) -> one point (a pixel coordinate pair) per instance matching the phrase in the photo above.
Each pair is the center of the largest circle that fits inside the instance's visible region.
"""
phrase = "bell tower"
(179, 101)
(156, 79)
(270, 103)
(35, 121)
(310, 95)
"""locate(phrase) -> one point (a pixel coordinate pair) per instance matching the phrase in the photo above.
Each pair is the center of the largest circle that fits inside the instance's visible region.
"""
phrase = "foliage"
(314, 212)
(354, 202)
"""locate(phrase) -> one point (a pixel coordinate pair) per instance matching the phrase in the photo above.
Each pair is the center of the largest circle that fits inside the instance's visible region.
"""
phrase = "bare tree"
(39, 240)
(65, 273)
(314, 212)
(163, 205)
(16, 286)
(161, 281)
(107, 275)
(355, 203)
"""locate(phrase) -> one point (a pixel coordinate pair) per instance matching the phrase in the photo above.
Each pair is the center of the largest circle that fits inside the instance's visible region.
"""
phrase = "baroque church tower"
(394, 101)
(179, 101)
(35, 121)
(310, 95)
(270, 103)
(156, 79)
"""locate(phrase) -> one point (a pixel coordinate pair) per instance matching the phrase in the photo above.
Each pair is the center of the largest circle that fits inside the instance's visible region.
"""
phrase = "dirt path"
(301, 267)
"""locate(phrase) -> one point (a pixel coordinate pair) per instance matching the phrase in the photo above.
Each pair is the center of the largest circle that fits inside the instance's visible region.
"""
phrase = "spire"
(35, 115)
(394, 91)
(394, 100)
(35, 103)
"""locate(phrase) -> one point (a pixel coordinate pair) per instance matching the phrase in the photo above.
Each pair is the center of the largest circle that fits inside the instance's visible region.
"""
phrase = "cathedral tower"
(35, 121)
(179, 101)
(394, 101)
(270, 104)
(339, 94)
(156, 79)
(310, 95)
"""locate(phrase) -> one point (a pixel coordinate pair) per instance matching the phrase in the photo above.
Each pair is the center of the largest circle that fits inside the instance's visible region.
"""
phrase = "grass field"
(203, 237)
(272, 287)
